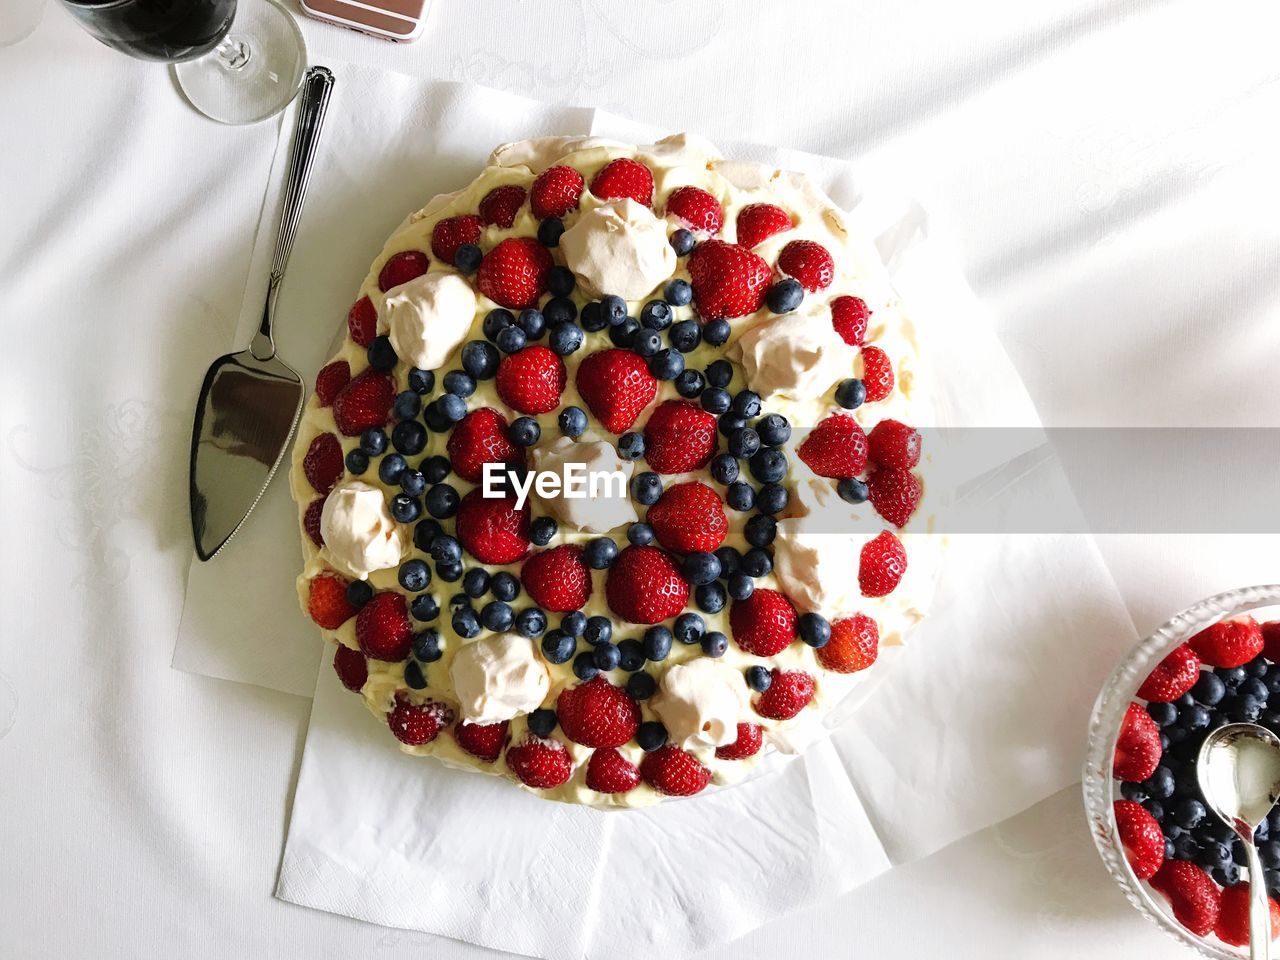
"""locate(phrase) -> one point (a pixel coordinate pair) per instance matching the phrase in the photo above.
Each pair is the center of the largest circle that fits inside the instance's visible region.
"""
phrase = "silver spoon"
(1239, 772)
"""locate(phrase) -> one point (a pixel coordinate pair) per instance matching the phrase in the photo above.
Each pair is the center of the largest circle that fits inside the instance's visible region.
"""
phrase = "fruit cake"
(712, 343)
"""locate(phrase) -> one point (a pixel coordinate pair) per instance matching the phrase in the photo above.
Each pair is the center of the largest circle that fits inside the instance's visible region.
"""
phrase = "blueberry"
(565, 338)
(724, 468)
(772, 498)
(851, 393)
(719, 373)
(1258, 667)
(414, 678)
(359, 593)
(646, 488)
(480, 359)
(409, 437)
(442, 501)
(558, 646)
(1231, 676)
(666, 364)
(740, 496)
(390, 468)
(651, 735)
(414, 575)
(744, 443)
(405, 508)
(784, 296)
(746, 403)
(511, 339)
(600, 553)
(714, 644)
(730, 423)
(685, 336)
(531, 622)
(1188, 813)
(757, 563)
(495, 321)
(467, 258)
(710, 597)
(716, 332)
(700, 567)
(413, 482)
(689, 628)
(424, 607)
(656, 644)
(631, 445)
(373, 441)
(1212, 855)
(815, 630)
(678, 293)
(524, 431)
(549, 231)
(690, 384)
(504, 586)
(452, 408)
(382, 356)
(1185, 847)
(1228, 876)
(655, 315)
(542, 530)
(623, 333)
(407, 405)
(730, 559)
(421, 381)
(357, 461)
(646, 342)
(1162, 713)
(476, 582)
(605, 656)
(640, 534)
(435, 418)
(1256, 688)
(1161, 783)
(614, 309)
(446, 549)
(716, 400)
(497, 616)
(426, 645)
(597, 630)
(853, 490)
(1269, 853)
(574, 623)
(1243, 709)
(573, 421)
(593, 318)
(560, 282)
(740, 586)
(542, 721)
(640, 685)
(465, 623)
(631, 655)
(768, 465)
(559, 310)
(1176, 735)
(449, 572)
(774, 430)
(760, 530)
(759, 678)
(459, 383)
(533, 323)
(435, 468)
(1154, 808)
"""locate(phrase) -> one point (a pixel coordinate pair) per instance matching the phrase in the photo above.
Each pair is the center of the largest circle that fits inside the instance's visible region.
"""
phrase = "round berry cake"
(603, 491)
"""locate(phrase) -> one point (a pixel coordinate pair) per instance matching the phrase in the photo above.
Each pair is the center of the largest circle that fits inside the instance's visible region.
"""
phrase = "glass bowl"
(1101, 790)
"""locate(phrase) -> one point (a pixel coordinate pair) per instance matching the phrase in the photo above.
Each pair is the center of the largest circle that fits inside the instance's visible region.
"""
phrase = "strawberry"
(757, 222)
(679, 437)
(1232, 925)
(789, 693)
(363, 403)
(383, 630)
(557, 579)
(849, 316)
(479, 438)
(835, 448)
(451, 233)
(623, 178)
(750, 737)
(1141, 837)
(401, 268)
(895, 494)
(881, 565)
(351, 667)
(323, 465)
(608, 771)
(484, 741)
(696, 209)
(1194, 897)
(877, 373)
(416, 724)
(1172, 677)
(892, 443)
(540, 763)
(513, 274)
(763, 624)
(555, 192)
(1137, 746)
(492, 530)
(688, 517)
(327, 601)
(671, 771)
(501, 204)
(597, 714)
(362, 322)
(854, 644)
(1232, 643)
(311, 520)
(728, 280)
(616, 385)
(808, 262)
(531, 380)
(644, 586)
(1271, 640)
(332, 378)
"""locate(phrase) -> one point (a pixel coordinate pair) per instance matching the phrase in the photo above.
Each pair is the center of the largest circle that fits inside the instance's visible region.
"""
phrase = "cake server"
(250, 401)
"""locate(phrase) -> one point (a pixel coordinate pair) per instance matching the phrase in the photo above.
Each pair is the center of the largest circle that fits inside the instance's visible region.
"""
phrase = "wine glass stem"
(232, 53)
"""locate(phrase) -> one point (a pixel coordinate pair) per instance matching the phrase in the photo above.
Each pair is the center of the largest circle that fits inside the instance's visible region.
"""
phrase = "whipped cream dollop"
(610, 507)
(359, 531)
(619, 248)
(700, 702)
(428, 318)
(795, 355)
(498, 678)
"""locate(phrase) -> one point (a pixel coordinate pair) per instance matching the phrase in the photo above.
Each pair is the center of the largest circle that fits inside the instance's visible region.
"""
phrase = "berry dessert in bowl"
(1214, 664)
(612, 487)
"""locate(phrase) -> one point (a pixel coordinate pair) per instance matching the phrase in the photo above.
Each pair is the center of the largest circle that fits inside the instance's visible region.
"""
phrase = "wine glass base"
(254, 73)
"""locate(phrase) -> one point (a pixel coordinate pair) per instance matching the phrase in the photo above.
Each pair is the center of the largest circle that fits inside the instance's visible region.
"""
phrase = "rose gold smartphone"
(398, 20)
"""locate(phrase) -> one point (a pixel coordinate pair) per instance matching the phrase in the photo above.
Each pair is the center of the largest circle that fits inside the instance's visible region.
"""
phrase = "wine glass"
(235, 63)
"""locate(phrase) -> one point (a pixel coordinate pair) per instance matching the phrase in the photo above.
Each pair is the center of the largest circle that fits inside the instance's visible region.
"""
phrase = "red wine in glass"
(168, 30)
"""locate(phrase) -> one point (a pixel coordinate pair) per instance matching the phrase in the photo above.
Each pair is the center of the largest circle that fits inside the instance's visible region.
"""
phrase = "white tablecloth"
(1109, 168)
